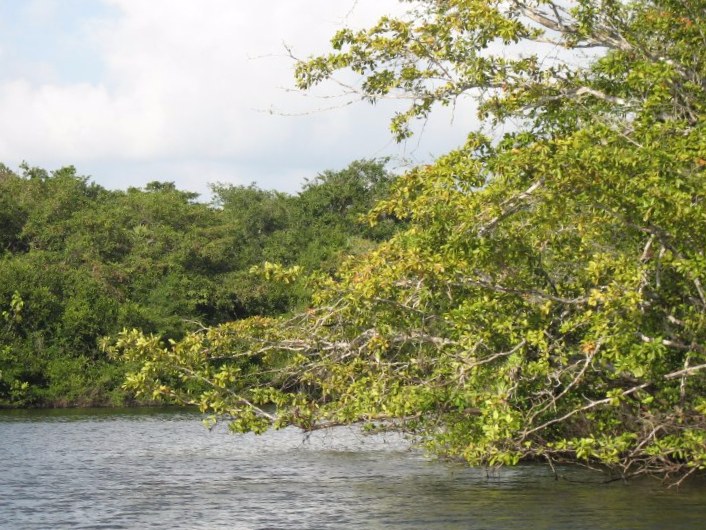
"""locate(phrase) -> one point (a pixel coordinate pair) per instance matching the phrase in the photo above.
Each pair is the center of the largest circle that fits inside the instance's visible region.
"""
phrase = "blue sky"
(130, 91)
(50, 41)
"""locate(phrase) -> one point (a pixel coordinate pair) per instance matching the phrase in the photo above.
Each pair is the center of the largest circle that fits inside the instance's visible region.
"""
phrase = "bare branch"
(577, 379)
(591, 405)
(686, 371)
(600, 95)
(525, 293)
(473, 364)
(513, 206)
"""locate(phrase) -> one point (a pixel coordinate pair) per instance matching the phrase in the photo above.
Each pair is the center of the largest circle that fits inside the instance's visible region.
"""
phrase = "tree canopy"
(546, 298)
(79, 262)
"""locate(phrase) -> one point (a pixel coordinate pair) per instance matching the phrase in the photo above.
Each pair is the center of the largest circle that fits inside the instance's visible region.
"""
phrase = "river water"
(142, 469)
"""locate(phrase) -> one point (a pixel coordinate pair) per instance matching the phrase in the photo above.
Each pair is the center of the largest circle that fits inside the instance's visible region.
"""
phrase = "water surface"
(144, 469)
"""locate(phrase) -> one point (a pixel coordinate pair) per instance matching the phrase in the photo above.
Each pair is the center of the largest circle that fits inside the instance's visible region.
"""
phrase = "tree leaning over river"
(547, 300)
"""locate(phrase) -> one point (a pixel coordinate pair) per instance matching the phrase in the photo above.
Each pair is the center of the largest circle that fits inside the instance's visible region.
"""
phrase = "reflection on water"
(141, 469)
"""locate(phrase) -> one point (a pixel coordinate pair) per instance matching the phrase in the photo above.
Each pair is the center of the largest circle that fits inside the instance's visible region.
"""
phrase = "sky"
(189, 91)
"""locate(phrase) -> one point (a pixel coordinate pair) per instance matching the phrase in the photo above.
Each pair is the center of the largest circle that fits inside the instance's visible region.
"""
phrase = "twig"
(590, 406)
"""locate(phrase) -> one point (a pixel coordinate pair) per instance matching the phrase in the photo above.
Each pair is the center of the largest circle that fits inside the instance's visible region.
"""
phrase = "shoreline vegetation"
(80, 263)
(538, 294)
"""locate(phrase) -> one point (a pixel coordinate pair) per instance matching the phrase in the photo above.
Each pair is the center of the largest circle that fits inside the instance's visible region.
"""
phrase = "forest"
(79, 263)
(535, 295)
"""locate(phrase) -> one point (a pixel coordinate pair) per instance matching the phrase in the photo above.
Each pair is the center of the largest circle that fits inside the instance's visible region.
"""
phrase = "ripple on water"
(160, 469)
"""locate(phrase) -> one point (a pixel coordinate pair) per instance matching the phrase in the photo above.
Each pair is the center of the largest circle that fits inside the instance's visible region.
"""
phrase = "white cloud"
(183, 89)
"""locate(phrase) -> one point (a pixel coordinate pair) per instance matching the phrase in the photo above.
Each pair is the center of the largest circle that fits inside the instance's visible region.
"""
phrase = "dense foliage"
(547, 299)
(79, 262)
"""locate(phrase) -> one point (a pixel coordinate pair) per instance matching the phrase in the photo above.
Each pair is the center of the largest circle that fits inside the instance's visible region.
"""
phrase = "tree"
(326, 221)
(12, 216)
(546, 300)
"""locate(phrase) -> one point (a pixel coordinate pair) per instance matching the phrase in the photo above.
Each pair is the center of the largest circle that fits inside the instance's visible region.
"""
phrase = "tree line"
(79, 262)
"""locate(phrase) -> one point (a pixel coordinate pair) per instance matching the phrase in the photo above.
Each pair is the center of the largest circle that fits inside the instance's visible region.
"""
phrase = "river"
(161, 469)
